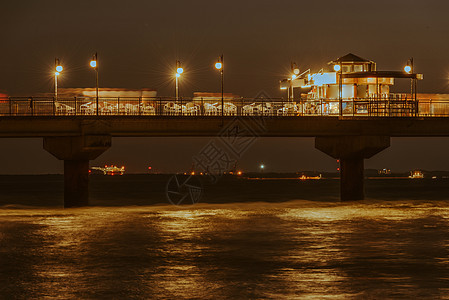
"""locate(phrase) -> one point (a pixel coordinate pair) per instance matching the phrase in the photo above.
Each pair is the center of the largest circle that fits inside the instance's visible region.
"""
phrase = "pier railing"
(390, 107)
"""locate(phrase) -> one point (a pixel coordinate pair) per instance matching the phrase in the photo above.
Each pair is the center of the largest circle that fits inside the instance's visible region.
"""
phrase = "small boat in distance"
(304, 177)
(110, 170)
(416, 174)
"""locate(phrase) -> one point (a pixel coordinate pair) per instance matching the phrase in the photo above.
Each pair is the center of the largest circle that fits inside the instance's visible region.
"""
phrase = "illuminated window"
(358, 68)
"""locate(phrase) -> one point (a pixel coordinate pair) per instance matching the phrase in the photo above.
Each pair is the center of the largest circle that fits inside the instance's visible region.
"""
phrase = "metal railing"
(372, 107)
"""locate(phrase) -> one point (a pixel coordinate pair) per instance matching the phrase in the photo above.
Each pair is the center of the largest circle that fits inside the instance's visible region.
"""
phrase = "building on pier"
(350, 78)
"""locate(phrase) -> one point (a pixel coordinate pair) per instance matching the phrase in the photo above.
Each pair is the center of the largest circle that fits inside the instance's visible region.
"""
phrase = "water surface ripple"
(296, 249)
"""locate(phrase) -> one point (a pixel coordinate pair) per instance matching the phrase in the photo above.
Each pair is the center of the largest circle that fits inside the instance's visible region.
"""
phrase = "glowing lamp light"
(283, 88)
(262, 166)
(218, 65)
(337, 68)
(180, 70)
(294, 76)
(408, 69)
(59, 68)
(177, 75)
(296, 71)
(57, 73)
(93, 63)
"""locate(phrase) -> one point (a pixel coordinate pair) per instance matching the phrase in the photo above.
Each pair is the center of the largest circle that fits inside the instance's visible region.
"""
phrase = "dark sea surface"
(256, 239)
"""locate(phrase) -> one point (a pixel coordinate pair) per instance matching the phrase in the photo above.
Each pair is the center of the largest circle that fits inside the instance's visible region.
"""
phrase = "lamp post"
(220, 66)
(295, 73)
(338, 68)
(94, 64)
(409, 69)
(179, 71)
(58, 70)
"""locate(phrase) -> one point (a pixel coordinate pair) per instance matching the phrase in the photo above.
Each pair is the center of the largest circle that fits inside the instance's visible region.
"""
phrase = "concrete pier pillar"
(76, 153)
(351, 151)
(76, 183)
(351, 179)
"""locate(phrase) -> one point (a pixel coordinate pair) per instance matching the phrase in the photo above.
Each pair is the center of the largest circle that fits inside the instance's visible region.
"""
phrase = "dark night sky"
(139, 41)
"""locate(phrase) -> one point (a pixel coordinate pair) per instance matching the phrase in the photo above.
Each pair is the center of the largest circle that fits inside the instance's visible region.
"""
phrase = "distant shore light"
(337, 68)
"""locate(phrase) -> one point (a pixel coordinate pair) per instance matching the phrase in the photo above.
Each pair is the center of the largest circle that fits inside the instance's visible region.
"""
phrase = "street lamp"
(338, 68)
(409, 68)
(94, 64)
(295, 71)
(58, 70)
(179, 71)
(219, 66)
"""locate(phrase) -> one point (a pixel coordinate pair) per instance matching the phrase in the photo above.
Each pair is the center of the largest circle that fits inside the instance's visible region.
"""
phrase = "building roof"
(383, 74)
(351, 58)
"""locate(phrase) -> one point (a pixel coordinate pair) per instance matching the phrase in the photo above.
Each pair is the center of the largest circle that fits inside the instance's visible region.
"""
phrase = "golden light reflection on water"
(347, 212)
(255, 250)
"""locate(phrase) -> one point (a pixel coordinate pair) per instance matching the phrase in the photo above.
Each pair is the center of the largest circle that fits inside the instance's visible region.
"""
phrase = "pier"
(74, 131)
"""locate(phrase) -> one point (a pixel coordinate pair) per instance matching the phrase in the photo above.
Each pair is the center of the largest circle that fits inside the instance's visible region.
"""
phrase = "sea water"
(244, 239)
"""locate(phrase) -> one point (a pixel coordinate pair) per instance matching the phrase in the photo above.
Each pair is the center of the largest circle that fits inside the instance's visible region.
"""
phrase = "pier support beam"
(76, 153)
(76, 183)
(351, 151)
